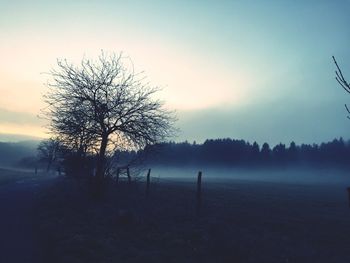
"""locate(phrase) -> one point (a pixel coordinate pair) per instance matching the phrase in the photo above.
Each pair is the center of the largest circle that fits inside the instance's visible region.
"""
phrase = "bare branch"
(340, 77)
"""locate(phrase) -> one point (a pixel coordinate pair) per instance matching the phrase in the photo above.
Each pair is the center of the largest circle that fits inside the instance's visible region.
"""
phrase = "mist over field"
(12, 154)
(289, 175)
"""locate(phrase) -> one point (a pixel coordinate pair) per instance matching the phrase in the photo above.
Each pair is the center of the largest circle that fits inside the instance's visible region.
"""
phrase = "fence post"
(128, 174)
(148, 181)
(117, 179)
(199, 193)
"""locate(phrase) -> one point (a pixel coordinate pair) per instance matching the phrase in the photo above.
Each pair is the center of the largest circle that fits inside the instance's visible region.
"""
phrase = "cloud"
(272, 123)
(19, 118)
(5, 137)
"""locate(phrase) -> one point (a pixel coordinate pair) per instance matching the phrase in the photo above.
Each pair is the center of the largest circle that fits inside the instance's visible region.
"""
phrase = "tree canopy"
(103, 104)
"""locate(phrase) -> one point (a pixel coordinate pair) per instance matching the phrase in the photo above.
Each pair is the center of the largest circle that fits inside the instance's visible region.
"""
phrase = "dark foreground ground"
(240, 221)
(19, 191)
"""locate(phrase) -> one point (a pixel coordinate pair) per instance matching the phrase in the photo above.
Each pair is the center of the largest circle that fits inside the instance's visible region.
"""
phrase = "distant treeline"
(241, 153)
(228, 152)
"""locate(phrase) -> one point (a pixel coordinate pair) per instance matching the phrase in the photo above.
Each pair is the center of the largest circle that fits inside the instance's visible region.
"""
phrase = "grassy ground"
(8, 175)
(240, 222)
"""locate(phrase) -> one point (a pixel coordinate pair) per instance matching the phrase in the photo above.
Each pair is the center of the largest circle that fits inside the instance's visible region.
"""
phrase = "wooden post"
(148, 182)
(117, 179)
(348, 189)
(128, 174)
(199, 193)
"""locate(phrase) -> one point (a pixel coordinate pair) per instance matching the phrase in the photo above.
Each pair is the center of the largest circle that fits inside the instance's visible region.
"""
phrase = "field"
(18, 197)
(242, 219)
(9, 175)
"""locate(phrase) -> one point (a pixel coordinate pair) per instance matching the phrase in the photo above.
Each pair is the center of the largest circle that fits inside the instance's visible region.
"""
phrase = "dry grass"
(240, 222)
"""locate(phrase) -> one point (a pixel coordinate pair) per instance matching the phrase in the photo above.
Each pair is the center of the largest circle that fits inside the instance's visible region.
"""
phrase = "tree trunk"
(100, 169)
(97, 180)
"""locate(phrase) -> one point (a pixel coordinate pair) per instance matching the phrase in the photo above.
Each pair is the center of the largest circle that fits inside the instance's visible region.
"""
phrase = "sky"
(255, 70)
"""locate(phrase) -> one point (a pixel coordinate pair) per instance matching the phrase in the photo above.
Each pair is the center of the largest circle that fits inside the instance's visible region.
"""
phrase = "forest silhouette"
(232, 152)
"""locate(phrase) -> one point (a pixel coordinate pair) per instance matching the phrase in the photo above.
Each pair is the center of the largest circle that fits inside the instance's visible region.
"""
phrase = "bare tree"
(101, 104)
(342, 81)
(48, 151)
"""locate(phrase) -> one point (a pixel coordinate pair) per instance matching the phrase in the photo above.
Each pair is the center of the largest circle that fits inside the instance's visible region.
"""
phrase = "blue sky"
(256, 70)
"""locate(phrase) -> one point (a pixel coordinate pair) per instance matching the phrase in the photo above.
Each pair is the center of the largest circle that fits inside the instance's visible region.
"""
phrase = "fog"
(274, 175)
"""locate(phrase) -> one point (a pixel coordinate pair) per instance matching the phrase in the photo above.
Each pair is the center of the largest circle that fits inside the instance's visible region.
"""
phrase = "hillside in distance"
(11, 153)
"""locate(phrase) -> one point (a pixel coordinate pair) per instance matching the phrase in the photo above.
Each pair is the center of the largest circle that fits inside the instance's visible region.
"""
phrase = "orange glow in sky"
(256, 66)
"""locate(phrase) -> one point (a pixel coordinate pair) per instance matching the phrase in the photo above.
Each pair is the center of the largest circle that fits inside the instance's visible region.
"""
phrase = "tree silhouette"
(101, 104)
(265, 152)
(292, 152)
(48, 152)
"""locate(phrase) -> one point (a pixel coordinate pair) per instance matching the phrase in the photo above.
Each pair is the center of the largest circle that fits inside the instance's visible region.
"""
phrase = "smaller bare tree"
(48, 152)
